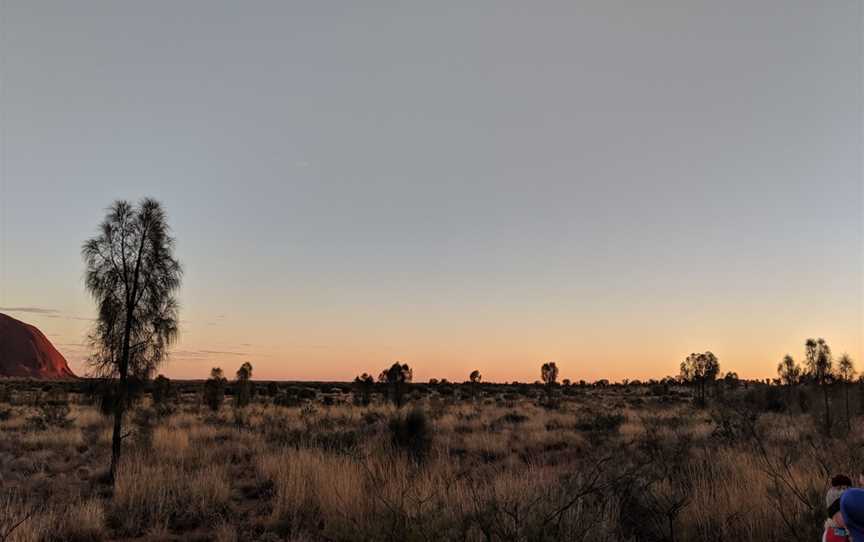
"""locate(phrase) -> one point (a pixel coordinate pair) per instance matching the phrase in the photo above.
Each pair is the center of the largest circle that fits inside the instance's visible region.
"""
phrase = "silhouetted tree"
(244, 385)
(396, 377)
(845, 373)
(214, 389)
(789, 374)
(132, 274)
(363, 387)
(820, 371)
(549, 375)
(700, 370)
(474, 378)
(788, 371)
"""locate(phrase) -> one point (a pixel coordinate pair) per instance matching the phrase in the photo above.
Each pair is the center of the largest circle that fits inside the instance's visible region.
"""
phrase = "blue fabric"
(852, 508)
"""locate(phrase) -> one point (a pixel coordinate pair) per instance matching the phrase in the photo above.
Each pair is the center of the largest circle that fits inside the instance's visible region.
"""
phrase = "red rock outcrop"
(26, 353)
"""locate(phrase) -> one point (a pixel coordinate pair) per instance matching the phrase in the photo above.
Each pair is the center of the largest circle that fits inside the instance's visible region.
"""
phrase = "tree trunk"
(119, 407)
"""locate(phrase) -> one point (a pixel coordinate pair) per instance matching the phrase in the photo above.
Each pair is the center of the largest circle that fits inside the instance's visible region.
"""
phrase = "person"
(835, 525)
(841, 481)
(852, 511)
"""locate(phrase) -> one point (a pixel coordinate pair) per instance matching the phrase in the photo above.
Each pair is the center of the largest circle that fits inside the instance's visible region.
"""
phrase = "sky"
(458, 185)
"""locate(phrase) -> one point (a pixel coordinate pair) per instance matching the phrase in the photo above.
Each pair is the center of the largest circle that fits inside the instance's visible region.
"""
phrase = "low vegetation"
(722, 459)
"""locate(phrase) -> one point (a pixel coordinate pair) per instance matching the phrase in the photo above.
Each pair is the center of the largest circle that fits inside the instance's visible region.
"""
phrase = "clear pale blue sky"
(461, 185)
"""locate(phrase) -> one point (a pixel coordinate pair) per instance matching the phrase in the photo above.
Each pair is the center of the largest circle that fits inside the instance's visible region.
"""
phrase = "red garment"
(835, 534)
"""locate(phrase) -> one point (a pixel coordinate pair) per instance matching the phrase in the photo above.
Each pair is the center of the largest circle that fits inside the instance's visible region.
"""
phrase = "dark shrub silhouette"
(700, 370)
(161, 391)
(549, 375)
(412, 432)
(214, 389)
(396, 377)
(243, 395)
(363, 385)
(599, 422)
(820, 371)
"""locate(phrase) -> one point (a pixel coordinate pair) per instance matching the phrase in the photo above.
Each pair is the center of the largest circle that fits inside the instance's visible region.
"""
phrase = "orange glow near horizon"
(502, 350)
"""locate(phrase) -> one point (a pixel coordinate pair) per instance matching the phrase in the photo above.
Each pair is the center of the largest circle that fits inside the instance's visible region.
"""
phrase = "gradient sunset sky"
(458, 185)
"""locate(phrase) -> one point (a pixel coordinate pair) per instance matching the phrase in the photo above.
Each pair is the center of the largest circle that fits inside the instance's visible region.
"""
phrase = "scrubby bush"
(285, 399)
(243, 384)
(214, 389)
(363, 385)
(599, 422)
(52, 410)
(733, 423)
(397, 377)
(161, 390)
(513, 417)
(105, 393)
(143, 421)
(272, 389)
(306, 394)
(412, 432)
(765, 399)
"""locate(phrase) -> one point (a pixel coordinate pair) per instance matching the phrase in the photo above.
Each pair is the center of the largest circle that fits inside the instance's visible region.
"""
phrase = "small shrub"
(600, 422)
(161, 391)
(372, 417)
(214, 390)
(307, 393)
(52, 411)
(513, 417)
(243, 386)
(412, 432)
(272, 389)
(144, 420)
(106, 393)
(308, 411)
(285, 399)
(733, 424)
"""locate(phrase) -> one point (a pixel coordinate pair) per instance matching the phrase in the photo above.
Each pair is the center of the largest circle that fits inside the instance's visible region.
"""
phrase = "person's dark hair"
(834, 508)
(841, 480)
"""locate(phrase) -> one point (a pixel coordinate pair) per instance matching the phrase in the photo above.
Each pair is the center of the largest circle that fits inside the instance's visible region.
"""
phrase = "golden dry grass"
(494, 470)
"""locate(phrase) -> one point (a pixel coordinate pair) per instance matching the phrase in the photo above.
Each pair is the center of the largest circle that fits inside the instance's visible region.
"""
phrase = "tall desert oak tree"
(133, 276)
